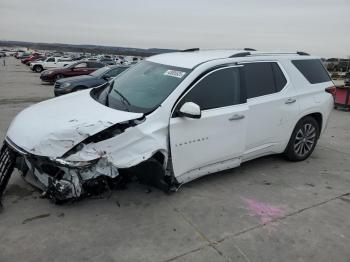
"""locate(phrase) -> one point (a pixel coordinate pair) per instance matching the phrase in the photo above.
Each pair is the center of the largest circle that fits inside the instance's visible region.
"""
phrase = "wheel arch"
(319, 118)
(162, 157)
(315, 115)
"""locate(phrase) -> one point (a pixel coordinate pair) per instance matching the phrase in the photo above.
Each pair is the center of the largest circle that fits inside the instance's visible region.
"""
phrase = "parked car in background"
(51, 62)
(106, 61)
(94, 79)
(347, 79)
(2, 54)
(75, 69)
(17, 54)
(31, 58)
(38, 59)
(91, 59)
(23, 55)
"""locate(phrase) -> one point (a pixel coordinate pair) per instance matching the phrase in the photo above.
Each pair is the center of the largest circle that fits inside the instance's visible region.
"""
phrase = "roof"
(193, 58)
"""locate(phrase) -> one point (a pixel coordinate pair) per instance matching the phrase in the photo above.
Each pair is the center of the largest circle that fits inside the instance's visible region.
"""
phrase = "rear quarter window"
(312, 70)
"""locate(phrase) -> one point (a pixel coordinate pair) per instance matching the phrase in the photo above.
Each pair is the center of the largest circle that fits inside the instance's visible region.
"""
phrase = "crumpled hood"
(53, 127)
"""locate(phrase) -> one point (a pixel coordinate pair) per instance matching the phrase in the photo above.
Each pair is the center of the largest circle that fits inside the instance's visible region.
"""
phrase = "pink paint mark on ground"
(265, 212)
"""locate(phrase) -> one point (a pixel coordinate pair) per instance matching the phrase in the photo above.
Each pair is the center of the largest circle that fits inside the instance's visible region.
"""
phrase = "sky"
(319, 27)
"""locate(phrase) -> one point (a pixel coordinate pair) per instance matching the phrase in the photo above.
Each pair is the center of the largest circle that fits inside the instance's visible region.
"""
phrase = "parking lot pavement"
(268, 209)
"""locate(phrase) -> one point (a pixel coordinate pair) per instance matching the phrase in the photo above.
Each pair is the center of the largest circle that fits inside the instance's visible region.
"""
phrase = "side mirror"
(190, 110)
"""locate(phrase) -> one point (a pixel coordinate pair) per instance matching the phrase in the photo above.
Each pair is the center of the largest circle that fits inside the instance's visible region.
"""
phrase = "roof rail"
(302, 53)
(249, 49)
(190, 50)
(242, 54)
(280, 53)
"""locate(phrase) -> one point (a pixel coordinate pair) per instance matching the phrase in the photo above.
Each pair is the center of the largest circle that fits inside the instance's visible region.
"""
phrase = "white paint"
(52, 127)
(57, 62)
(198, 146)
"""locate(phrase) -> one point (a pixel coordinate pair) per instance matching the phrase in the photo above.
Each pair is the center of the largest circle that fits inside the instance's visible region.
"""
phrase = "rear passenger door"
(272, 107)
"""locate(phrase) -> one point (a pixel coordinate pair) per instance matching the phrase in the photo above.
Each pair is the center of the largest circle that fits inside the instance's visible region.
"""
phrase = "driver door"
(215, 141)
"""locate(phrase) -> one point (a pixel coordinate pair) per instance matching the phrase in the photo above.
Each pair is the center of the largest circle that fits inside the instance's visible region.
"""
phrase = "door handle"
(236, 117)
(290, 101)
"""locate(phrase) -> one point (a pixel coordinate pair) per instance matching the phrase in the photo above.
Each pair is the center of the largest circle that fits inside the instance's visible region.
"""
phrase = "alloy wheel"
(304, 140)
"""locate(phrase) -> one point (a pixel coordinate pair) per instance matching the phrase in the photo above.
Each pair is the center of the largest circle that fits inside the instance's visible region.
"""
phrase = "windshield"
(99, 72)
(143, 87)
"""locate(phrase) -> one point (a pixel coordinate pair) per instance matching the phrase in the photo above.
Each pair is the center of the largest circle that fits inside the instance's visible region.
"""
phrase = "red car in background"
(31, 59)
(75, 69)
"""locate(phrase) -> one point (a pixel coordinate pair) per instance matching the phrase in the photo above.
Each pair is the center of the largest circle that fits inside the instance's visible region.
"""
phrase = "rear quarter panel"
(312, 98)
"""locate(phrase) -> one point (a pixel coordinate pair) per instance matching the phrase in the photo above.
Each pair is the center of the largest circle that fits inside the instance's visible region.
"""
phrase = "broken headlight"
(77, 164)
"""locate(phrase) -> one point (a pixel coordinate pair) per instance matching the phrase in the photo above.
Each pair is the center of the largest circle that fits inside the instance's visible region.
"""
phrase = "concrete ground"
(266, 210)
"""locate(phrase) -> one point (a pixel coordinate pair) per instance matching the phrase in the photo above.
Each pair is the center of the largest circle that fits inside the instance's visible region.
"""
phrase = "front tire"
(38, 69)
(59, 76)
(303, 140)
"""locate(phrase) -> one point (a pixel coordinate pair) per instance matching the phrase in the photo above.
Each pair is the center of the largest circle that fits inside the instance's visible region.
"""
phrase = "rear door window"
(263, 78)
(259, 79)
(312, 70)
(280, 79)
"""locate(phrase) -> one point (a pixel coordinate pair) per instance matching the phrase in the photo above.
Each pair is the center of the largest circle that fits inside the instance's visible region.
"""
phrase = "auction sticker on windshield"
(174, 73)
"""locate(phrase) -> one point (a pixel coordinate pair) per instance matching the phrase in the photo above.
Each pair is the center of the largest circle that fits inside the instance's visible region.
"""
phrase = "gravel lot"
(266, 210)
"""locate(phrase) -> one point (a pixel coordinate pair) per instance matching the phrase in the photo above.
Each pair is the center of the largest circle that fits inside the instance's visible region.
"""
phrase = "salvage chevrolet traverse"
(171, 119)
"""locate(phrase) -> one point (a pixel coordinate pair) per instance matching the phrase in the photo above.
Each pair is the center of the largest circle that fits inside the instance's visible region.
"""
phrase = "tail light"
(331, 90)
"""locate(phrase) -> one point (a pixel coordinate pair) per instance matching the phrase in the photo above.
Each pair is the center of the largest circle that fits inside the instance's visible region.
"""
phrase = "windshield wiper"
(108, 92)
(125, 101)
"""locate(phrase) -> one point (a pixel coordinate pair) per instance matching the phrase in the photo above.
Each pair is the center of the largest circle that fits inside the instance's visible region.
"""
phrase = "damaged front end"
(83, 150)
(7, 165)
(58, 179)
(88, 168)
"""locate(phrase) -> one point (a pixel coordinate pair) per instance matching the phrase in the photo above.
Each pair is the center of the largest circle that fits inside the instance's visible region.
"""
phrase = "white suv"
(171, 119)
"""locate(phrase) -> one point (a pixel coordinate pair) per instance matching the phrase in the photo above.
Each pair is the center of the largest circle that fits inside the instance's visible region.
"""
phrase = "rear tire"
(303, 140)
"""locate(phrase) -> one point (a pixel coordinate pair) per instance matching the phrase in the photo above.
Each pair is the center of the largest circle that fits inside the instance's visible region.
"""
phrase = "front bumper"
(47, 78)
(59, 182)
(62, 91)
